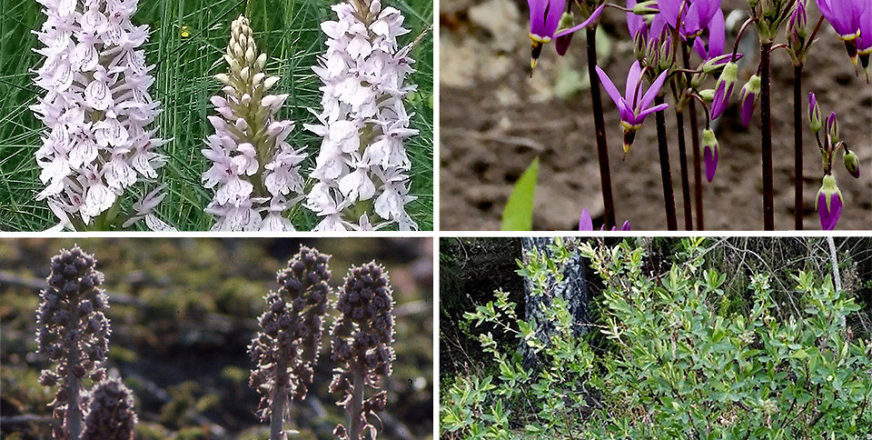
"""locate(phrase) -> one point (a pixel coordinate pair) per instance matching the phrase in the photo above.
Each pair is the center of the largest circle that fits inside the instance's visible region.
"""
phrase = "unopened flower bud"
(829, 203)
(833, 128)
(724, 89)
(815, 117)
(567, 20)
(710, 149)
(852, 163)
(748, 99)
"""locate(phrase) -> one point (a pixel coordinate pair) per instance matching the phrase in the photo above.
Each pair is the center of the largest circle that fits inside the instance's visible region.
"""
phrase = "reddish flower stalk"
(600, 126)
(766, 117)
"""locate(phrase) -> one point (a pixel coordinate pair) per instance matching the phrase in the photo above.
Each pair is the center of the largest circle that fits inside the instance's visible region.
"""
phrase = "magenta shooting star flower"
(633, 107)
(844, 16)
(545, 19)
(710, 147)
(585, 223)
(748, 99)
(829, 203)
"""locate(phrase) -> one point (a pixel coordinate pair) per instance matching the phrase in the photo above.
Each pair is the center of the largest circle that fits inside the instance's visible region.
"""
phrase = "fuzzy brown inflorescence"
(73, 333)
(110, 412)
(286, 348)
(361, 347)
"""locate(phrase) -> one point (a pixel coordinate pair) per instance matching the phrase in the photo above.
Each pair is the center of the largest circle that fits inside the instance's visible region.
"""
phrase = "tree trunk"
(573, 289)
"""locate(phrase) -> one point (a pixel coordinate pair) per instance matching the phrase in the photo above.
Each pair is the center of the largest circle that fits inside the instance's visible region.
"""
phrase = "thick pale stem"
(797, 146)
(766, 116)
(665, 172)
(279, 398)
(355, 422)
(685, 180)
(74, 413)
(600, 125)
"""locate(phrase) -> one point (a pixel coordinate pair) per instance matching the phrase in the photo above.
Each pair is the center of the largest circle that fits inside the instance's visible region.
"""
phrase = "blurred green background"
(187, 41)
(182, 313)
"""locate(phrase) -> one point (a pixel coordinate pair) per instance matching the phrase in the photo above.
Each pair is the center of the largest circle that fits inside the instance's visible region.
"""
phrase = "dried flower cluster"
(72, 332)
(286, 348)
(361, 347)
(255, 169)
(362, 168)
(96, 110)
(110, 412)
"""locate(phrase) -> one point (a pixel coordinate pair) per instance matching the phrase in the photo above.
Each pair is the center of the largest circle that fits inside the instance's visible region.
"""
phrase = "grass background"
(287, 30)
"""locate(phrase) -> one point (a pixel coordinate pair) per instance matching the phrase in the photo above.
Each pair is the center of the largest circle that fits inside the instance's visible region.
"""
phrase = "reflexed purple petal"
(864, 44)
(635, 23)
(537, 16)
(633, 79)
(585, 223)
(593, 17)
(555, 11)
(626, 226)
(651, 110)
(717, 34)
(669, 10)
(700, 49)
(612, 90)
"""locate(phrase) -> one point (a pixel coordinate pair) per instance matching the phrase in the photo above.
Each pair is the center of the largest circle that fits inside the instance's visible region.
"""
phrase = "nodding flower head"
(362, 339)
(254, 167)
(845, 17)
(72, 330)
(96, 110)
(748, 99)
(829, 203)
(110, 412)
(710, 151)
(634, 107)
(286, 347)
(548, 22)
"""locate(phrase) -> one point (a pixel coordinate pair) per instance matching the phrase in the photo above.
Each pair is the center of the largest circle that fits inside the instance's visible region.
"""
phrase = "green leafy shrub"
(673, 363)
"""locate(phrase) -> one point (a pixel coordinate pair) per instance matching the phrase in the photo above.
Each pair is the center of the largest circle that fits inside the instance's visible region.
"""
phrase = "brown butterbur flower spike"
(110, 412)
(73, 333)
(361, 347)
(286, 348)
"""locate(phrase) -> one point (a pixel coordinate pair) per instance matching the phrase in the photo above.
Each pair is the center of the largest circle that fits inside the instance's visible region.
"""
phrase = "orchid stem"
(665, 172)
(694, 138)
(600, 125)
(766, 116)
(797, 145)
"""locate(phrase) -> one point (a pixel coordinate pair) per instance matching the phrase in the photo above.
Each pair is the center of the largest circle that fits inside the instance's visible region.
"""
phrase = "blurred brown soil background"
(183, 312)
(495, 119)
